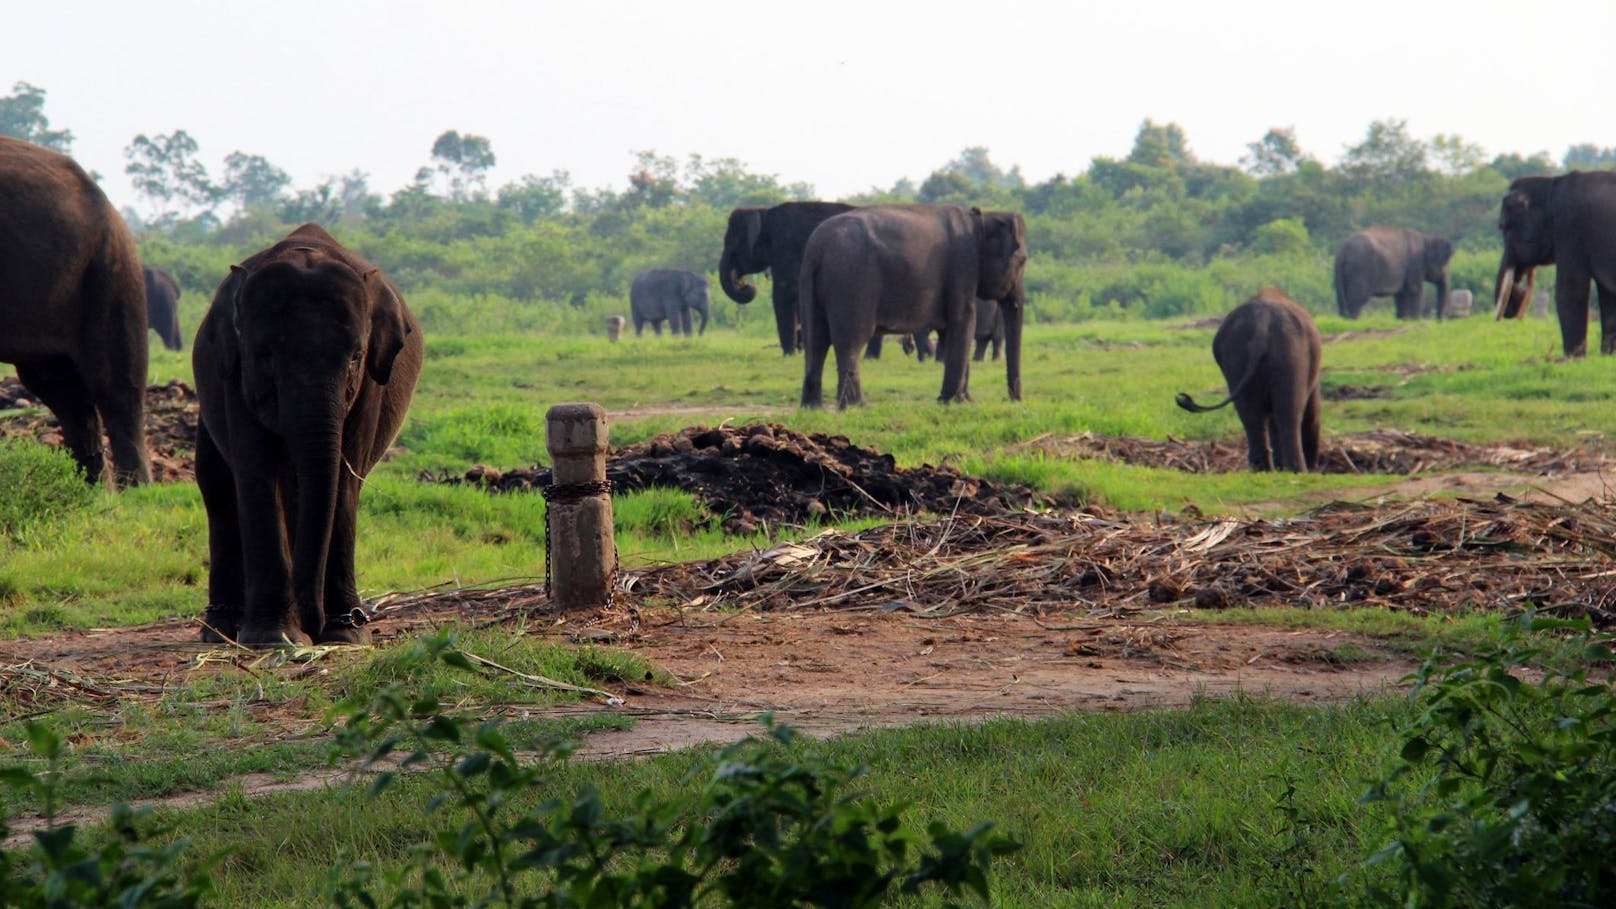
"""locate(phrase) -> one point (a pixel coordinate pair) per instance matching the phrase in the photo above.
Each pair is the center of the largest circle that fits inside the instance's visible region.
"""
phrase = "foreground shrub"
(767, 828)
(1505, 792)
(42, 483)
(59, 871)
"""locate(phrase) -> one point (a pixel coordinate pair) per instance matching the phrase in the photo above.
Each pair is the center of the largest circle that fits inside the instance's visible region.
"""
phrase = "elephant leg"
(1407, 302)
(656, 326)
(227, 586)
(57, 384)
(872, 350)
(1310, 430)
(342, 603)
(1571, 306)
(123, 406)
(269, 618)
(1255, 421)
(685, 327)
(1607, 320)
(639, 327)
(1285, 433)
(982, 349)
(953, 349)
(849, 389)
(813, 374)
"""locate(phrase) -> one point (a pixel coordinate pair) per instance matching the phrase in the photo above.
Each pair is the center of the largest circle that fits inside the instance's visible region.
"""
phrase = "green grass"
(1160, 808)
(1170, 808)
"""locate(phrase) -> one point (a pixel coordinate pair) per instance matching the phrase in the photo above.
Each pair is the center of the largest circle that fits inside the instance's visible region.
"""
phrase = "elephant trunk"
(703, 308)
(315, 449)
(1441, 296)
(732, 280)
(1011, 311)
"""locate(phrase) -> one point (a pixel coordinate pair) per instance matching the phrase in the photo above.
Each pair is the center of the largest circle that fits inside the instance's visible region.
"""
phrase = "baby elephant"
(1269, 350)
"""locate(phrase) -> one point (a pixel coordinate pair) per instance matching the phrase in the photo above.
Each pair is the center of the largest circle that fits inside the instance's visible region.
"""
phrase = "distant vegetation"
(1157, 233)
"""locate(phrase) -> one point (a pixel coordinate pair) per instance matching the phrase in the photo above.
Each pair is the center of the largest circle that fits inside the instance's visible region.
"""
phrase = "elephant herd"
(307, 357)
(1268, 348)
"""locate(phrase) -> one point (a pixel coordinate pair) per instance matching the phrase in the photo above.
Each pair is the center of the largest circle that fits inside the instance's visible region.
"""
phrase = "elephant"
(1569, 222)
(1459, 303)
(163, 306)
(904, 269)
(73, 312)
(665, 293)
(1394, 262)
(989, 329)
(772, 239)
(304, 364)
(614, 327)
(1269, 351)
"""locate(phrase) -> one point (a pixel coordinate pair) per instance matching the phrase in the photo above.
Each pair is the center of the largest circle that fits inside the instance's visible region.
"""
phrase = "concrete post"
(581, 550)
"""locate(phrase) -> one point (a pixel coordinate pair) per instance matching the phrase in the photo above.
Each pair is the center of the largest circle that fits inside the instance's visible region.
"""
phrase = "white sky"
(843, 95)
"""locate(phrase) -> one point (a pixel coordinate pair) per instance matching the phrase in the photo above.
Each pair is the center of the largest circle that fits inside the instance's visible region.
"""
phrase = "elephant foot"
(339, 634)
(274, 636)
(346, 627)
(220, 624)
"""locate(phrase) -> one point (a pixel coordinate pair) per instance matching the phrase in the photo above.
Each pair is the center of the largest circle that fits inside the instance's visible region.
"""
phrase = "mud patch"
(171, 416)
(767, 474)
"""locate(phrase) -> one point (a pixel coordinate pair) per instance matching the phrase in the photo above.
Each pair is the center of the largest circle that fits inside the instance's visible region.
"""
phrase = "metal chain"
(570, 492)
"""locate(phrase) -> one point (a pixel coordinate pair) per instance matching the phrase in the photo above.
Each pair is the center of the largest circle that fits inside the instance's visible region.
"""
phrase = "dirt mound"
(1381, 451)
(769, 474)
(170, 425)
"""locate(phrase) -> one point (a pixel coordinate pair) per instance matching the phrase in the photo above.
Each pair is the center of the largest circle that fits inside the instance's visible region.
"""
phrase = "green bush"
(1505, 790)
(42, 484)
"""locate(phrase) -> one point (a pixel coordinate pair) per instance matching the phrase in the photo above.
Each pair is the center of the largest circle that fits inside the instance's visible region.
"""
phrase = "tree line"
(1157, 232)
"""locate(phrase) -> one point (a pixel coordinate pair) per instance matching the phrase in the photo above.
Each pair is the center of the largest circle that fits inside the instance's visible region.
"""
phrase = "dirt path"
(823, 672)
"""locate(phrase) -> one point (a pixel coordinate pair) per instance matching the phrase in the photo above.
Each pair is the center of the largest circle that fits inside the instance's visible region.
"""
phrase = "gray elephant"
(1391, 262)
(614, 327)
(903, 269)
(73, 308)
(989, 330)
(305, 364)
(772, 239)
(666, 294)
(1568, 222)
(1269, 351)
(163, 306)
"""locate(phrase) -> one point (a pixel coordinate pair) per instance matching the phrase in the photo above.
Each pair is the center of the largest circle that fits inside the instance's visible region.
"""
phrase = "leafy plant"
(767, 828)
(1505, 790)
(60, 871)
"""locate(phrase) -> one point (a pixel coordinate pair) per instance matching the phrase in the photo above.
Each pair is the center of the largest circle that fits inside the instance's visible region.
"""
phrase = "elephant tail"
(1185, 401)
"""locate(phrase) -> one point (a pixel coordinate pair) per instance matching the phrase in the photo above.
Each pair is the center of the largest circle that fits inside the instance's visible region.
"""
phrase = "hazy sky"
(843, 95)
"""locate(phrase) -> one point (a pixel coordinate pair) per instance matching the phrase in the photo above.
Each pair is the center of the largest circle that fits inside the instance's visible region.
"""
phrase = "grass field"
(1161, 808)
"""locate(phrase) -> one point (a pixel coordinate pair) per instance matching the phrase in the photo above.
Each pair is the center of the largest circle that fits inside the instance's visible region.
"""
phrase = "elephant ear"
(387, 327)
(756, 233)
(230, 297)
(1437, 253)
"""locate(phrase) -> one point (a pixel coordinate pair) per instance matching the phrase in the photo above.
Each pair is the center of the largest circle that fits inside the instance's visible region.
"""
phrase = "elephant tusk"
(1506, 286)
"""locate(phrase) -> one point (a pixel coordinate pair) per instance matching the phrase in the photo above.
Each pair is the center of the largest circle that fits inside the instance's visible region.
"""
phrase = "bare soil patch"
(1380, 451)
